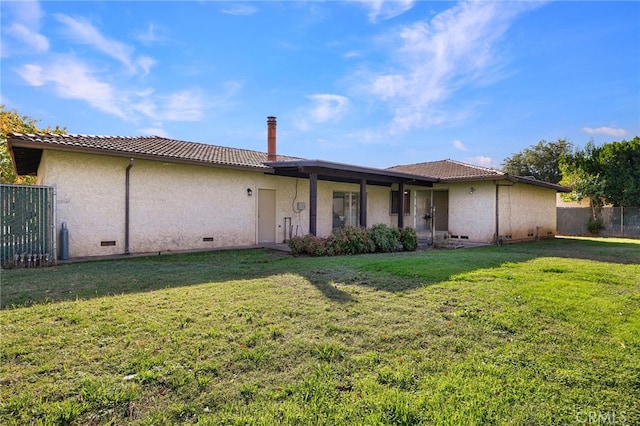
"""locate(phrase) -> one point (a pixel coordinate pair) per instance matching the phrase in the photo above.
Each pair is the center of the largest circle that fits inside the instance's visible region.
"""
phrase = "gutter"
(127, 248)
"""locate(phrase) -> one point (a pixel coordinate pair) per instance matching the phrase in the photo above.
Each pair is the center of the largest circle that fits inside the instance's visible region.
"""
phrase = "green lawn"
(528, 334)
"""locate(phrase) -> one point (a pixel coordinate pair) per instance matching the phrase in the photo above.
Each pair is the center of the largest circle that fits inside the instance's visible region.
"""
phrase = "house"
(152, 194)
(479, 204)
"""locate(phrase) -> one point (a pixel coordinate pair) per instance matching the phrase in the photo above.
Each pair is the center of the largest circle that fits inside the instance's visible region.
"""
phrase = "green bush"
(594, 226)
(351, 240)
(409, 239)
(386, 239)
(355, 240)
(308, 244)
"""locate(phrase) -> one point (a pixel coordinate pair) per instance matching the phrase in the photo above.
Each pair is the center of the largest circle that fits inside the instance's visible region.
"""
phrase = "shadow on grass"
(386, 272)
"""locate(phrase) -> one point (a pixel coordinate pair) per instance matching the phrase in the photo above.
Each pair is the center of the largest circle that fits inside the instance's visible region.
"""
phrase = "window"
(395, 202)
(346, 209)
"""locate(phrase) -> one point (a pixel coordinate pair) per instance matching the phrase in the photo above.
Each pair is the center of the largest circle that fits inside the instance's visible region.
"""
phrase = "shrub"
(386, 239)
(409, 239)
(355, 240)
(595, 225)
(351, 240)
(308, 244)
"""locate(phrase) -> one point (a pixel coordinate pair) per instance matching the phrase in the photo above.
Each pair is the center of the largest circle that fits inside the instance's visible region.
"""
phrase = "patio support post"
(363, 203)
(401, 205)
(313, 203)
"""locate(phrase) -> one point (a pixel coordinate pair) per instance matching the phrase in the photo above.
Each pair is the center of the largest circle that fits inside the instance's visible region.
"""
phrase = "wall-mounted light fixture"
(472, 190)
(249, 192)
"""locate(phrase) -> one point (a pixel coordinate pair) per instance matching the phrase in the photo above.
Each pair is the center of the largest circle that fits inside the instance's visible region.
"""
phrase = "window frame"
(394, 202)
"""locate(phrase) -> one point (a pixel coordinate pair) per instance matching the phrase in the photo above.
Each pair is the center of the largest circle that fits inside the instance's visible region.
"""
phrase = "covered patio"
(315, 170)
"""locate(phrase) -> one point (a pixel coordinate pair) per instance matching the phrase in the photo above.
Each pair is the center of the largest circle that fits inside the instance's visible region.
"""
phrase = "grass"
(527, 334)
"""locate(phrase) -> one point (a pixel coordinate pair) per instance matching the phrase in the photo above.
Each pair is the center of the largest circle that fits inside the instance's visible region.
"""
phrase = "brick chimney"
(271, 138)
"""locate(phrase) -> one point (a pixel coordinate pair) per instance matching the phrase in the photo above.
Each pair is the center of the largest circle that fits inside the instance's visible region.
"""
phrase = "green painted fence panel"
(28, 226)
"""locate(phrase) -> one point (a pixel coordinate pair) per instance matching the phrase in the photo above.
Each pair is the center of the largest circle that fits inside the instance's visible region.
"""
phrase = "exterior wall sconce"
(472, 190)
(249, 192)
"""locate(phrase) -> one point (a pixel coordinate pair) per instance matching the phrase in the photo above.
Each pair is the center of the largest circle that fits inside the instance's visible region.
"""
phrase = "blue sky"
(372, 83)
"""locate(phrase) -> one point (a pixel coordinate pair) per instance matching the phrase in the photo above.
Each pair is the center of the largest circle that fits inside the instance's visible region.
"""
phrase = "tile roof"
(449, 170)
(155, 147)
(456, 171)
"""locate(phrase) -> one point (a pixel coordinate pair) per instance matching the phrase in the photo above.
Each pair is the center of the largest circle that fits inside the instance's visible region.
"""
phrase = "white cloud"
(609, 131)
(483, 162)
(150, 36)
(32, 39)
(186, 105)
(459, 145)
(327, 107)
(240, 10)
(352, 54)
(25, 18)
(154, 131)
(72, 79)
(145, 63)
(433, 59)
(386, 9)
(84, 32)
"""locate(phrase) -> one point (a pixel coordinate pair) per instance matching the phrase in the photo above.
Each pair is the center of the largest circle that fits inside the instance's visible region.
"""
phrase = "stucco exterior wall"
(472, 211)
(177, 207)
(89, 198)
(527, 212)
(172, 206)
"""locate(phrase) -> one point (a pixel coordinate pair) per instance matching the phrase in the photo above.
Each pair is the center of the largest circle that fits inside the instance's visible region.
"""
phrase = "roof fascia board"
(511, 178)
(340, 170)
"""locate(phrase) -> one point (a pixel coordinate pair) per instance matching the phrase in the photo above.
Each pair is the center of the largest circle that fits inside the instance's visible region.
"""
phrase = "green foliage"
(542, 161)
(409, 239)
(355, 240)
(607, 174)
(595, 225)
(350, 240)
(386, 239)
(13, 122)
(309, 244)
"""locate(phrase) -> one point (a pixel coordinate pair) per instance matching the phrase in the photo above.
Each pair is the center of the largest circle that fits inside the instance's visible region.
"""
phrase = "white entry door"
(266, 216)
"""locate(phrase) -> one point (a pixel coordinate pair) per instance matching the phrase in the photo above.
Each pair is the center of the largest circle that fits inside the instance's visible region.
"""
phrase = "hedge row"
(354, 240)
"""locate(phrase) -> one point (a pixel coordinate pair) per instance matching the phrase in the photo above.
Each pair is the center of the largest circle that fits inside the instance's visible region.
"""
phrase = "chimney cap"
(271, 118)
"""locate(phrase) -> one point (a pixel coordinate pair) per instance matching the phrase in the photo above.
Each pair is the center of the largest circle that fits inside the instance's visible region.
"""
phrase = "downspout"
(127, 248)
(497, 235)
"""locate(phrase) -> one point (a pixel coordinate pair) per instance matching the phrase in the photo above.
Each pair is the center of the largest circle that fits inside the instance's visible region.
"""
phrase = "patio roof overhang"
(315, 170)
(339, 172)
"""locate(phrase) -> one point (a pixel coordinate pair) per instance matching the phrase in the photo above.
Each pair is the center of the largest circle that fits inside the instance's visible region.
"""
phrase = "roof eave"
(348, 171)
(21, 143)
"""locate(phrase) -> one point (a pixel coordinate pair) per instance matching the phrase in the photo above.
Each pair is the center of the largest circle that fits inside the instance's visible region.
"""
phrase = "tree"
(582, 174)
(542, 161)
(13, 122)
(607, 174)
(620, 171)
